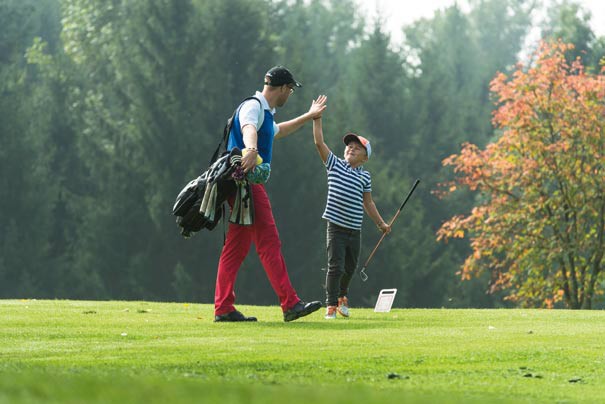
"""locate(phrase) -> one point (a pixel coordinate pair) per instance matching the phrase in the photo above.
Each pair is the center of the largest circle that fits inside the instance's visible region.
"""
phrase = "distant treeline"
(107, 108)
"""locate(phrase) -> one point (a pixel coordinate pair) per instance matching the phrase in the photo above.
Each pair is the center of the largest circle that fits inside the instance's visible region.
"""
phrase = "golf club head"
(362, 275)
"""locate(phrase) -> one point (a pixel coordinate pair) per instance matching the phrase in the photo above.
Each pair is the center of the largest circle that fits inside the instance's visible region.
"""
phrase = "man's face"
(284, 94)
(355, 153)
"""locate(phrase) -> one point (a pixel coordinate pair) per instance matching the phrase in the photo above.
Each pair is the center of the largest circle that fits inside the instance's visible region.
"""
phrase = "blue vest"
(265, 136)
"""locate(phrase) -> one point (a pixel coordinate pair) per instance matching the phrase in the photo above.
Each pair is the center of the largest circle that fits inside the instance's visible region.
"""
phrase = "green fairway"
(89, 351)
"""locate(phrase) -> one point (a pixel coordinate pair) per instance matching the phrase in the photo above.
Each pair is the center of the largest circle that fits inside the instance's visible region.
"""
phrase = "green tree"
(452, 57)
(129, 103)
(376, 107)
(569, 22)
(28, 188)
(313, 40)
(151, 109)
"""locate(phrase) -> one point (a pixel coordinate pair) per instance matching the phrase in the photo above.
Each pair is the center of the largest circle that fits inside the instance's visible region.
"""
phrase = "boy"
(349, 194)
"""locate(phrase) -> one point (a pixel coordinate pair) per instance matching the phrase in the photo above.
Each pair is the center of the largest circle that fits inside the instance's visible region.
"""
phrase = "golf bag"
(200, 204)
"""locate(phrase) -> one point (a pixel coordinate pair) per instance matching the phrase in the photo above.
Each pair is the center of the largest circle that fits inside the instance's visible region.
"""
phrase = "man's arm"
(250, 114)
(250, 137)
(370, 208)
(291, 126)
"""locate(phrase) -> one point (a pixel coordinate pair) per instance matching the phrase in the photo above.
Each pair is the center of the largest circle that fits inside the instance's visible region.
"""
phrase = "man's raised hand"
(318, 106)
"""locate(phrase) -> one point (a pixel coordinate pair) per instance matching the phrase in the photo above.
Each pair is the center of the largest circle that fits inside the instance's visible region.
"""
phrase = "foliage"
(539, 220)
(569, 23)
(453, 56)
(28, 189)
(109, 107)
(150, 102)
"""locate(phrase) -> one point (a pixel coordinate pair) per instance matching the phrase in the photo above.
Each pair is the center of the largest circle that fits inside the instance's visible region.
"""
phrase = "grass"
(142, 352)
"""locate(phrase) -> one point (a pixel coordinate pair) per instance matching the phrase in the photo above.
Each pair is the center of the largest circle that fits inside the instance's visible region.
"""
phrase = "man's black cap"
(278, 76)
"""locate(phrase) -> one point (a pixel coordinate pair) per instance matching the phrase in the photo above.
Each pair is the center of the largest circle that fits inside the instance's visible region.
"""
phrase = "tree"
(28, 189)
(158, 81)
(539, 219)
(453, 57)
(314, 39)
(569, 22)
(377, 107)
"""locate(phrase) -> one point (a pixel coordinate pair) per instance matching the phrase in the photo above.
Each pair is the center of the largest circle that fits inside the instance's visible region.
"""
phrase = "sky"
(402, 12)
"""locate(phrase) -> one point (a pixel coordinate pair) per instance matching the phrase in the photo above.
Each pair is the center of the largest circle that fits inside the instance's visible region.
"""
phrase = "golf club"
(362, 273)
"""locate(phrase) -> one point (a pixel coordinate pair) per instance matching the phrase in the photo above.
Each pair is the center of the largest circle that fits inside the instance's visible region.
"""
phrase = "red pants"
(263, 233)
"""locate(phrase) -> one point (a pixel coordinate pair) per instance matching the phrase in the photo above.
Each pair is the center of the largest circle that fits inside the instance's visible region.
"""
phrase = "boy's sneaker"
(343, 306)
(330, 313)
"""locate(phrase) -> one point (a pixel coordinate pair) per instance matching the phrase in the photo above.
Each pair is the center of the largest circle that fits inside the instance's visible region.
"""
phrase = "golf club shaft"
(363, 274)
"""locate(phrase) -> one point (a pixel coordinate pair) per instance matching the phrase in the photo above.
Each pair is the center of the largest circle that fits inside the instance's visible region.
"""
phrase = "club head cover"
(260, 174)
(235, 156)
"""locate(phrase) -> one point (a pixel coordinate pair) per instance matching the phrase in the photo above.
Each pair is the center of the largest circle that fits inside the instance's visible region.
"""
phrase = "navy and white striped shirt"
(346, 186)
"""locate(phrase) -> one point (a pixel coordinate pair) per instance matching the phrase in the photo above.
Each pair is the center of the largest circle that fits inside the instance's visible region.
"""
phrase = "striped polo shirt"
(346, 186)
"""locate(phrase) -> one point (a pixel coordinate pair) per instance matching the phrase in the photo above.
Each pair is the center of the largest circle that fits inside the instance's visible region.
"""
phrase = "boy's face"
(355, 154)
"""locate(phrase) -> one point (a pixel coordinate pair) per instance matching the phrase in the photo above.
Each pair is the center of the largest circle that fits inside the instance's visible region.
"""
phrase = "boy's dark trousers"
(343, 247)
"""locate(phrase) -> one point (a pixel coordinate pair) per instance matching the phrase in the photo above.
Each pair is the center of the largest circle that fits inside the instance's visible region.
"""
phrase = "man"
(253, 132)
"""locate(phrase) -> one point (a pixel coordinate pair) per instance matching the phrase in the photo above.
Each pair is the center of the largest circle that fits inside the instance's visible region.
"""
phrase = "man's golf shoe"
(301, 309)
(234, 316)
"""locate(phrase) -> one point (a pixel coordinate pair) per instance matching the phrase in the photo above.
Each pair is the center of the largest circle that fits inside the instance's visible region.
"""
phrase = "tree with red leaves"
(539, 219)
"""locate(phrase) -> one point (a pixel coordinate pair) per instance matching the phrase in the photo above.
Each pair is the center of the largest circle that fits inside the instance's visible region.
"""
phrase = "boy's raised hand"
(316, 110)
(318, 106)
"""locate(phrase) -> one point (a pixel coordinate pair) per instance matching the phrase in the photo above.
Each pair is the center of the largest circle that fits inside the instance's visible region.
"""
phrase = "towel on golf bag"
(242, 212)
(200, 203)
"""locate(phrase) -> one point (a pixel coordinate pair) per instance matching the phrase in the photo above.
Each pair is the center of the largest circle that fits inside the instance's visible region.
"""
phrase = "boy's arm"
(318, 137)
(288, 127)
(370, 208)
